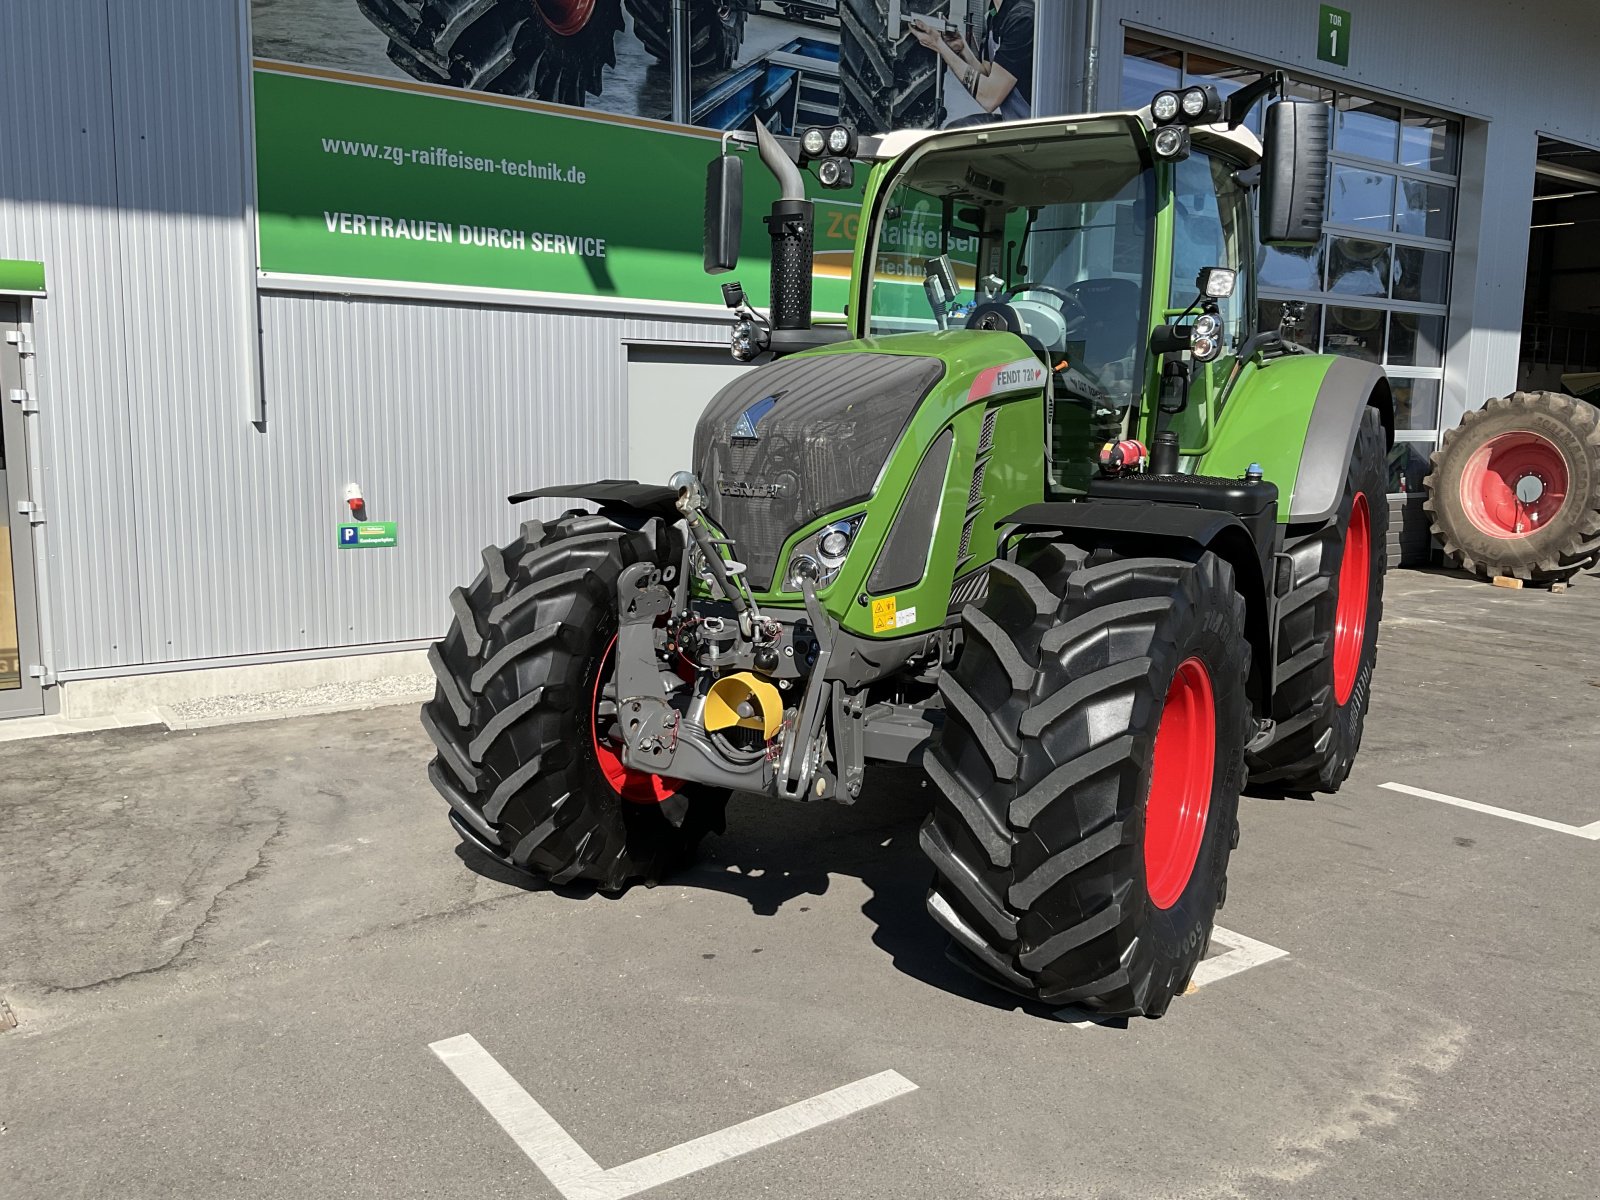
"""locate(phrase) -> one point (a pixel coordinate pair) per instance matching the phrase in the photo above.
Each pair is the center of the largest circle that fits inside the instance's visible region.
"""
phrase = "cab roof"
(1240, 142)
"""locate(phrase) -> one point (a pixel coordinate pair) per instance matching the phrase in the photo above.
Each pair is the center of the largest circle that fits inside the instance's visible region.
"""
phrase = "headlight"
(840, 140)
(1172, 142)
(1203, 348)
(1165, 106)
(836, 172)
(820, 557)
(1207, 325)
(814, 141)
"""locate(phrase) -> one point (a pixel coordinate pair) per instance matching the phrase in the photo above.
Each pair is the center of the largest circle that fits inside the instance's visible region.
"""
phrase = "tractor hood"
(788, 442)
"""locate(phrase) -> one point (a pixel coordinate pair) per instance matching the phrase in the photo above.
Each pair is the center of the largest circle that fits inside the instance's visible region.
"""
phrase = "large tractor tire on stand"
(885, 82)
(544, 49)
(716, 30)
(1088, 776)
(520, 719)
(1515, 488)
(1328, 630)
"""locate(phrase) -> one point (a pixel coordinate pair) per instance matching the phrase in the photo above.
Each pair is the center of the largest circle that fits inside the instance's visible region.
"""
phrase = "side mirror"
(724, 212)
(1294, 173)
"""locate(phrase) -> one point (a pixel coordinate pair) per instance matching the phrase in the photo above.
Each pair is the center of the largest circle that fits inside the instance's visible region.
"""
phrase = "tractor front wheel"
(1515, 489)
(527, 755)
(1088, 776)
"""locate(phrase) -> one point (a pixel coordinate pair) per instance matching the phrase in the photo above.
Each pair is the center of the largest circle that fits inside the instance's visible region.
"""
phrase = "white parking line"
(1242, 954)
(578, 1177)
(1590, 831)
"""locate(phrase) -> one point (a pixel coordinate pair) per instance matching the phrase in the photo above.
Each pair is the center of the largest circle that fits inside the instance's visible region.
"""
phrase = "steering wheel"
(1072, 309)
(1007, 313)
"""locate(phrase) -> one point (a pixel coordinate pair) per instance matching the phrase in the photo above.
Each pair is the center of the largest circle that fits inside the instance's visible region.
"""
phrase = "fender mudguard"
(1143, 527)
(1298, 417)
(651, 499)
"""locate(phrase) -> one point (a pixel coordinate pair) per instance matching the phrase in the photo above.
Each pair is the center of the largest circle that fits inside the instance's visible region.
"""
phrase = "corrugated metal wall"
(58, 204)
(439, 413)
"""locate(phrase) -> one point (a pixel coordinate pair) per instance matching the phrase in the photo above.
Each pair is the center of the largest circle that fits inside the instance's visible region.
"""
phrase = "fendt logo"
(745, 428)
(755, 490)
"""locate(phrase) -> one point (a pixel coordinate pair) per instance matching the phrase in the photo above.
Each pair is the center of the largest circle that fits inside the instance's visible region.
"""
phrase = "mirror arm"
(1241, 102)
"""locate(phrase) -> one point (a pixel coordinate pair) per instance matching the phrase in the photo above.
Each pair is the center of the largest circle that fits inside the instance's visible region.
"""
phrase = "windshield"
(1056, 228)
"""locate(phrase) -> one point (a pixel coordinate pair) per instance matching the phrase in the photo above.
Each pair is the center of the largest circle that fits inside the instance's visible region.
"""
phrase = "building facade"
(184, 418)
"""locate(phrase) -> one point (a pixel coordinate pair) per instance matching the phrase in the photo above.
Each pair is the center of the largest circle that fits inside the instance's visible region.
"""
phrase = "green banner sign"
(369, 535)
(398, 182)
(19, 275)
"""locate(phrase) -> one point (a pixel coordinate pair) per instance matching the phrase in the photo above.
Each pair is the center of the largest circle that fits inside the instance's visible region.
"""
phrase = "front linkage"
(774, 704)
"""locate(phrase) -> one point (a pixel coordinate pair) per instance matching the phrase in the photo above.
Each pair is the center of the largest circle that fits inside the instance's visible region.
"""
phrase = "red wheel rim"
(1350, 615)
(1180, 783)
(1514, 485)
(637, 787)
(565, 17)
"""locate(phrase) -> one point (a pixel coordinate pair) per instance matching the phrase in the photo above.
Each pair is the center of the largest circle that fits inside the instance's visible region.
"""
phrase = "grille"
(832, 422)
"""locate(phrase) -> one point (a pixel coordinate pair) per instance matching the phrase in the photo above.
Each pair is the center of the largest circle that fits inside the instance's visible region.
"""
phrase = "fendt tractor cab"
(1050, 517)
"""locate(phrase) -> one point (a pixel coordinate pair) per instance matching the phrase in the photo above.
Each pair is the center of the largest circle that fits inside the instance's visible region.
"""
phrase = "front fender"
(1298, 417)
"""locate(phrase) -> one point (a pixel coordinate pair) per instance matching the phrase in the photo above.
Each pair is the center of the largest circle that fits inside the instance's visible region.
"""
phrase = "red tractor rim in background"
(636, 787)
(1514, 485)
(565, 17)
(1180, 783)
(1350, 617)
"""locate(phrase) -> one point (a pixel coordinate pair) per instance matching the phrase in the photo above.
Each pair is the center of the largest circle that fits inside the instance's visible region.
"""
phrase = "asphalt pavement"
(228, 952)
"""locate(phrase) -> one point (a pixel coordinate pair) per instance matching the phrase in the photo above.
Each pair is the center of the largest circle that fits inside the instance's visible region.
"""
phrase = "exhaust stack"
(792, 227)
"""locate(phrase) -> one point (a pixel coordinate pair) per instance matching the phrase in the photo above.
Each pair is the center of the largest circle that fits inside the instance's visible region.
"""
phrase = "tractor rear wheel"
(1515, 488)
(525, 758)
(716, 30)
(1328, 630)
(885, 82)
(545, 49)
(1088, 776)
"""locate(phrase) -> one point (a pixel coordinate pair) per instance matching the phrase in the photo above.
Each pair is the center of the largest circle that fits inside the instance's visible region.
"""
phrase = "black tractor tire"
(513, 717)
(1511, 439)
(507, 47)
(716, 30)
(1050, 763)
(884, 83)
(1324, 684)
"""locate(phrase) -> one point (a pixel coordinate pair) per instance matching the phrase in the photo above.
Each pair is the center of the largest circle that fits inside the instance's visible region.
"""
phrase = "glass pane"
(1295, 269)
(1426, 209)
(1146, 70)
(1362, 198)
(1210, 229)
(1408, 467)
(1432, 143)
(1307, 331)
(1416, 403)
(1368, 128)
(1355, 333)
(1415, 340)
(1358, 268)
(1421, 275)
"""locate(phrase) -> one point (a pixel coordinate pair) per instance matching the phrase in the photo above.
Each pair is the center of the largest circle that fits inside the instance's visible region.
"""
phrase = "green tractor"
(1050, 518)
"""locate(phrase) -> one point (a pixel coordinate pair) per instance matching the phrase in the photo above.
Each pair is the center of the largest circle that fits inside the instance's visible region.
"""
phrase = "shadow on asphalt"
(775, 853)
